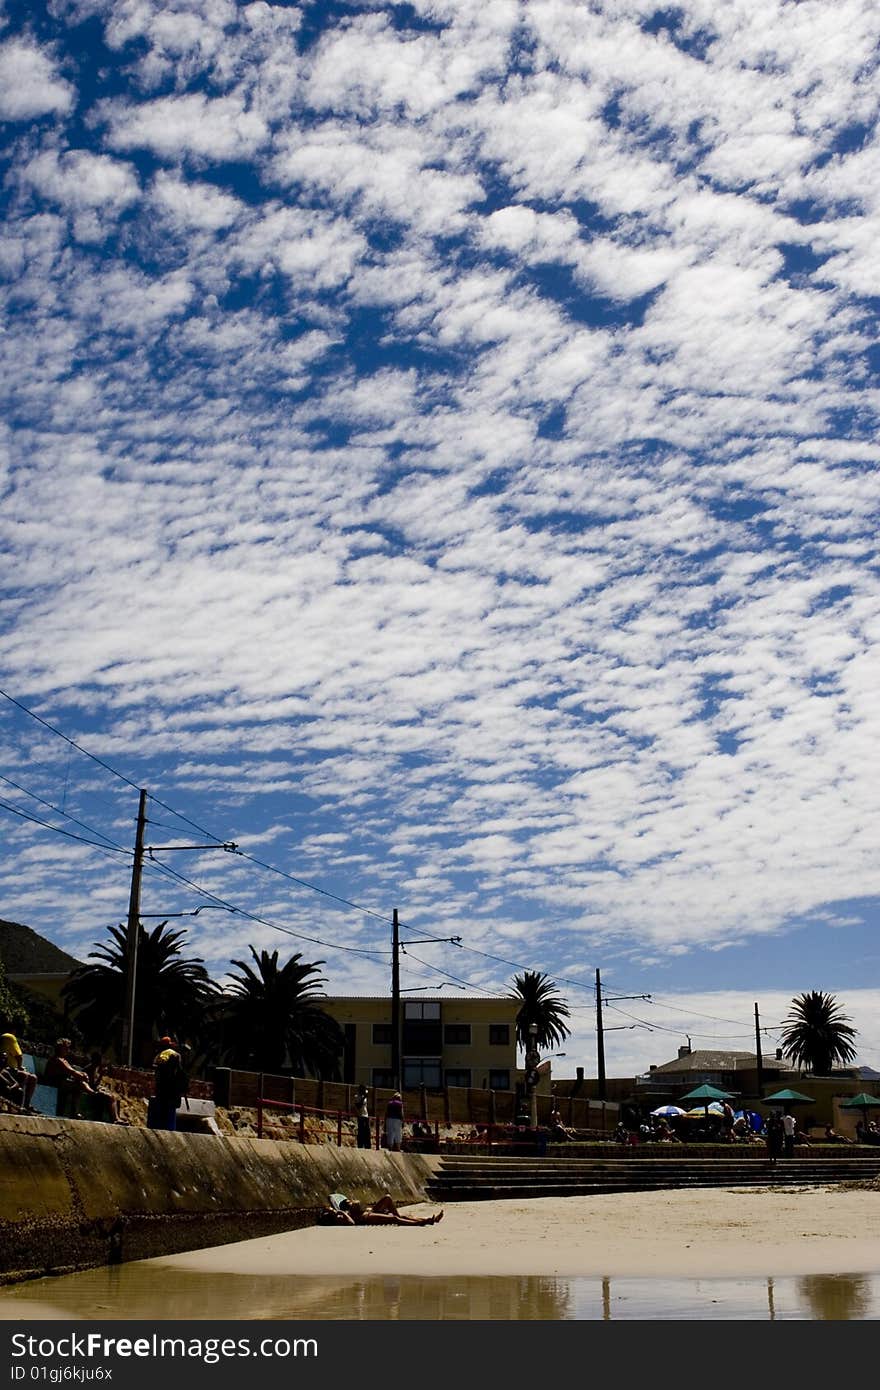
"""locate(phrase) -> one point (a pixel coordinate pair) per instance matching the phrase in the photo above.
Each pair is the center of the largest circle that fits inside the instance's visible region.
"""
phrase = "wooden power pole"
(133, 933)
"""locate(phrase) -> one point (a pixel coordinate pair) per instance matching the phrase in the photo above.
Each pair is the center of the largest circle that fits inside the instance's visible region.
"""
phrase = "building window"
(422, 1071)
(426, 1012)
(383, 1078)
(457, 1035)
(499, 1080)
(382, 1034)
(499, 1036)
(458, 1076)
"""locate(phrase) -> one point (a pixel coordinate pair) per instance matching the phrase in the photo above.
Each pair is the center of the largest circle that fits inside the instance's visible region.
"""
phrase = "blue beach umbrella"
(668, 1110)
(754, 1120)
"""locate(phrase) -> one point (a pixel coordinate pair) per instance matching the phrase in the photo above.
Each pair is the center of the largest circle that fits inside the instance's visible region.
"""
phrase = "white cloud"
(474, 471)
(193, 124)
(29, 83)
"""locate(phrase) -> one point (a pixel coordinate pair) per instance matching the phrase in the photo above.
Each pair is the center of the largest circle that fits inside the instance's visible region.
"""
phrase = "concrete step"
(469, 1179)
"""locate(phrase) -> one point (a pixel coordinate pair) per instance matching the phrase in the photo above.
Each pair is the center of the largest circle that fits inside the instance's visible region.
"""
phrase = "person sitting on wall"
(345, 1211)
(110, 1103)
(19, 1084)
(832, 1137)
(71, 1082)
(558, 1131)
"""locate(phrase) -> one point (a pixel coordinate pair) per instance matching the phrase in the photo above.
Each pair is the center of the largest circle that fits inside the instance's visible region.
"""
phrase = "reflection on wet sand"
(144, 1290)
(148, 1290)
(839, 1297)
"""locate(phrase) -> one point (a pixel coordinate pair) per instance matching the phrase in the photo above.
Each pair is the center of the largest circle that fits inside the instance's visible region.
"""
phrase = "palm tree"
(171, 996)
(270, 1019)
(542, 1004)
(817, 1033)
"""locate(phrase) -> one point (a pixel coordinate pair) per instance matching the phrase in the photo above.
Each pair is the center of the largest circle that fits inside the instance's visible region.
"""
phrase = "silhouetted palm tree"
(543, 1005)
(817, 1033)
(172, 991)
(271, 1020)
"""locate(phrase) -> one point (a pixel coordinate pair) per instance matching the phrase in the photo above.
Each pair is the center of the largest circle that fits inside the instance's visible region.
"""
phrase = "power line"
(368, 911)
(263, 921)
(69, 834)
(73, 743)
(59, 811)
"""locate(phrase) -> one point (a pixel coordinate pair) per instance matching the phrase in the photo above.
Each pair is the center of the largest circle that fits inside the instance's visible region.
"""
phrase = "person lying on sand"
(344, 1211)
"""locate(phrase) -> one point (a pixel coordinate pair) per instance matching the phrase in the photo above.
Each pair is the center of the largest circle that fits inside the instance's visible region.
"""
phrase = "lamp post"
(533, 1058)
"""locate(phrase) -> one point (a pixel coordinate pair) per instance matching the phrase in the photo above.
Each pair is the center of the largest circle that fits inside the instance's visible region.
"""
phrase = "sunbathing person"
(347, 1212)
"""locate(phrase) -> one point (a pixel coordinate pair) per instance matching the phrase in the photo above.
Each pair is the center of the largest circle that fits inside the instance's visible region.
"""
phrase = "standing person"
(170, 1085)
(774, 1137)
(789, 1130)
(394, 1122)
(11, 1062)
(362, 1112)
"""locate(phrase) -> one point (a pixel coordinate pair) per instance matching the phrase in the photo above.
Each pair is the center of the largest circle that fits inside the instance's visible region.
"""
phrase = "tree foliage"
(172, 991)
(14, 1012)
(270, 1018)
(541, 1003)
(817, 1033)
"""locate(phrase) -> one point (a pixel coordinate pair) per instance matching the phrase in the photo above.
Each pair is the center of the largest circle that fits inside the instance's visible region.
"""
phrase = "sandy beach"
(739, 1231)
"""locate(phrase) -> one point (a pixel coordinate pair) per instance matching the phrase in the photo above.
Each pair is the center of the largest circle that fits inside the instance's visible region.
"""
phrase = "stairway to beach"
(474, 1177)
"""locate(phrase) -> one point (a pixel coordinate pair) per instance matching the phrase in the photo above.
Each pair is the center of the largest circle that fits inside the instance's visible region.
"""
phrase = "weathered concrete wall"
(74, 1194)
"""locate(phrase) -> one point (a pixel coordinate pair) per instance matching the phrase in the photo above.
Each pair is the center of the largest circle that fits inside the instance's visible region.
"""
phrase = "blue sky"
(439, 455)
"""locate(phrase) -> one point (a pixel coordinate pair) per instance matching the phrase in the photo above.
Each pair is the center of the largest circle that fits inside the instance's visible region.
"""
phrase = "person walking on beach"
(394, 1123)
(362, 1114)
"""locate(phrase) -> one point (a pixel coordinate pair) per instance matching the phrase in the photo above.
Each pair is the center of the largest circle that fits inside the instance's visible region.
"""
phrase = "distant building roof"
(425, 998)
(705, 1060)
(25, 952)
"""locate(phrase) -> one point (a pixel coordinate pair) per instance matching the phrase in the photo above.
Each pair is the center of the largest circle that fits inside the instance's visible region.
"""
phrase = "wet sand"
(809, 1252)
(710, 1232)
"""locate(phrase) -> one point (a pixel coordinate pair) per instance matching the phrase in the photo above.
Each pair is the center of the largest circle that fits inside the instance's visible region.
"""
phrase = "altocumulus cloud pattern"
(440, 454)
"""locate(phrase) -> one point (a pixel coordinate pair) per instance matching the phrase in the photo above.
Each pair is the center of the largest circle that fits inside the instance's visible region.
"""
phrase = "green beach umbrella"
(862, 1102)
(708, 1093)
(788, 1098)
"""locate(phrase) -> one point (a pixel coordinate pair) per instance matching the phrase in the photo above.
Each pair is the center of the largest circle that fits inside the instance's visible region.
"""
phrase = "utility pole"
(395, 999)
(133, 932)
(601, 1031)
(600, 1039)
(758, 1058)
(533, 1061)
(396, 1067)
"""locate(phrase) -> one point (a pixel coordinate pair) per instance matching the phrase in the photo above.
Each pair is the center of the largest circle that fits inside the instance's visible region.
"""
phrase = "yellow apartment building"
(468, 1042)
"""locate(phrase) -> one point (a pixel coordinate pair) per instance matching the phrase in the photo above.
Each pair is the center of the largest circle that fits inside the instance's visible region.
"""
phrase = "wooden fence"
(455, 1105)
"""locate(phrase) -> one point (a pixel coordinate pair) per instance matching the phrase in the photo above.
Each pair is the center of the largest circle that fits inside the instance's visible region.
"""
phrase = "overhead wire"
(59, 811)
(73, 743)
(303, 883)
(263, 921)
(59, 830)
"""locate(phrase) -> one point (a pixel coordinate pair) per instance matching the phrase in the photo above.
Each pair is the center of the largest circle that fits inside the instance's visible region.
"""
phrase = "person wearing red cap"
(170, 1085)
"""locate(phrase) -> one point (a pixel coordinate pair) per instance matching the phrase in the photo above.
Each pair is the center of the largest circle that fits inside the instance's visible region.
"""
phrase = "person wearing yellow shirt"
(11, 1065)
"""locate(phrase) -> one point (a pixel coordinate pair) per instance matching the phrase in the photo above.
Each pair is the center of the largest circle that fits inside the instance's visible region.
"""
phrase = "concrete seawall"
(74, 1194)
